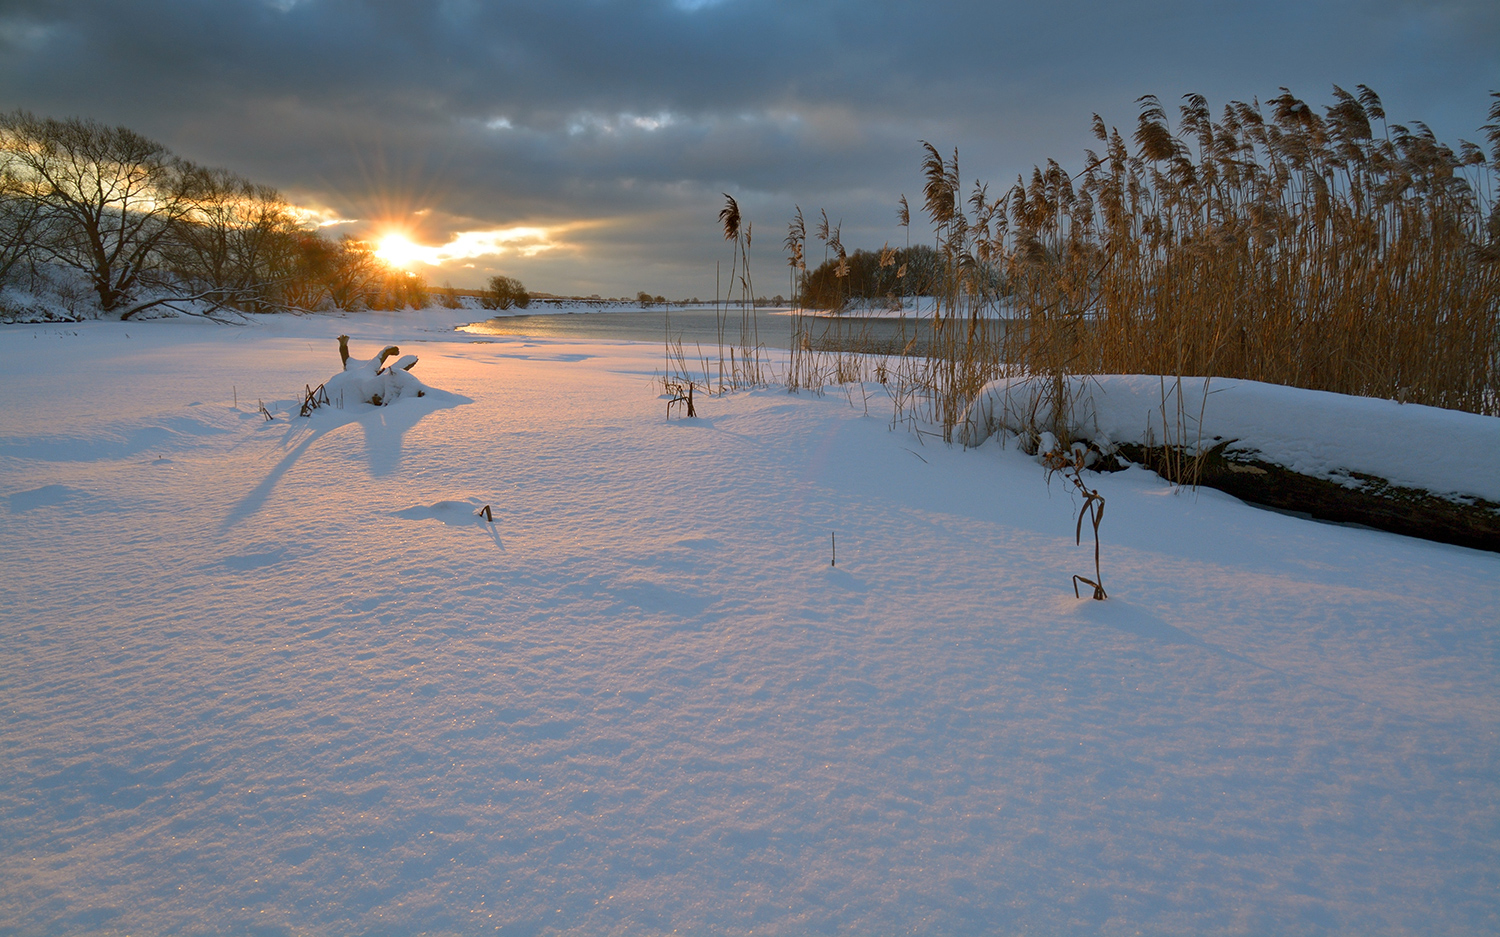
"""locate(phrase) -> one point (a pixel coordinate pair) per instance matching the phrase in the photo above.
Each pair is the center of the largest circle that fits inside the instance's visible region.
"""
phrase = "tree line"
(141, 227)
(864, 278)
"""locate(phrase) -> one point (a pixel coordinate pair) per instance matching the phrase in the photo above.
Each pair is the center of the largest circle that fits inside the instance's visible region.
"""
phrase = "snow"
(369, 382)
(277, 678)
(1312, 432)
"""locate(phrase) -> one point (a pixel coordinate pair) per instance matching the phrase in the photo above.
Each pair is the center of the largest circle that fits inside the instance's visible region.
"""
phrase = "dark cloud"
(635, 115)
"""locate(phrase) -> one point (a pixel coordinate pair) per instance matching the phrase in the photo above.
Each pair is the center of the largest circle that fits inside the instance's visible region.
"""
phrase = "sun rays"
(399, 250)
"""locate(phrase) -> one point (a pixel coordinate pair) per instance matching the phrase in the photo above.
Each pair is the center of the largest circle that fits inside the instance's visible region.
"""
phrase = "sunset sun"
(398, 250)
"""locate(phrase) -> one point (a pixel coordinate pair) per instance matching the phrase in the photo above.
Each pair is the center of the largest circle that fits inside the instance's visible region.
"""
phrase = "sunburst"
(398, 250)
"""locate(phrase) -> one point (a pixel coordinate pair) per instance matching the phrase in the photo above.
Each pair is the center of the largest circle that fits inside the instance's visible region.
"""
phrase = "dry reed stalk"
(748, 368)
(1333, 251)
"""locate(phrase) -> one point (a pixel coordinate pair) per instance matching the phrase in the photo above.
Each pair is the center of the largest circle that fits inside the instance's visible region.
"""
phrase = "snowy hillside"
(278, 678)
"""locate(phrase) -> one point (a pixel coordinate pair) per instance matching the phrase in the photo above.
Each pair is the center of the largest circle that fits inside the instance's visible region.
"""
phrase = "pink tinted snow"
(276, 677)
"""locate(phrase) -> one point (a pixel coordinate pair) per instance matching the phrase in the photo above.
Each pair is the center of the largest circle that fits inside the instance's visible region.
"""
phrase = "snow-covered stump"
(371, 381)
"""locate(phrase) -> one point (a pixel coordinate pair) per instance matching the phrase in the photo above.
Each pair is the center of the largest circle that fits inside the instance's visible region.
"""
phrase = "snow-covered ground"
(276, 678)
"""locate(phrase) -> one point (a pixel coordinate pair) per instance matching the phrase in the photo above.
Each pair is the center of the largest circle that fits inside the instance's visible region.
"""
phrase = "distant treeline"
(134, 225)
(866, 278)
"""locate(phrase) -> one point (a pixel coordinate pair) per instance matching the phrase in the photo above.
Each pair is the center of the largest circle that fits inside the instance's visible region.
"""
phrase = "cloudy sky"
(582, 145)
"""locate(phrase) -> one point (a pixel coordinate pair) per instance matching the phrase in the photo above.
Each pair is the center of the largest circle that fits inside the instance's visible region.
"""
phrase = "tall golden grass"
(1332, 251)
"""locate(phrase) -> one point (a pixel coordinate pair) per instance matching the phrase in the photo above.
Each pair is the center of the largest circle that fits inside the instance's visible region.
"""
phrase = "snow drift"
(1310, 432)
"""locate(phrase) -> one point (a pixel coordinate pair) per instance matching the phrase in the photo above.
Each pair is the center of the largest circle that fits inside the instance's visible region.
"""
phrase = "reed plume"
(1319, 248)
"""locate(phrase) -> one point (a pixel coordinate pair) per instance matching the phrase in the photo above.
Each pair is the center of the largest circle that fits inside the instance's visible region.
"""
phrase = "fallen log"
(1367, 500)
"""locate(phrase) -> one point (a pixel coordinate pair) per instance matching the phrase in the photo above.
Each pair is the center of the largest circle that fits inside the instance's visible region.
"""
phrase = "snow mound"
(465, 513)
(1311, 432)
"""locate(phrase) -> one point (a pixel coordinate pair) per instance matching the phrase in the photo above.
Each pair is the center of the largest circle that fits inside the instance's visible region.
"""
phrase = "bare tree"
(107, 197)
(356, 275)
(227, 244)
(302, 265)
(18, 219)
(503, 293)
(403, 288)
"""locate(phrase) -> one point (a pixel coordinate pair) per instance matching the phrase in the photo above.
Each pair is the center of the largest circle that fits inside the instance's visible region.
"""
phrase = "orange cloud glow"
(398, 249)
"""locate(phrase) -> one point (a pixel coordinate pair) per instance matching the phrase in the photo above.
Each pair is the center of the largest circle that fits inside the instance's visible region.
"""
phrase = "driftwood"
(385, 353)
(1376, 503)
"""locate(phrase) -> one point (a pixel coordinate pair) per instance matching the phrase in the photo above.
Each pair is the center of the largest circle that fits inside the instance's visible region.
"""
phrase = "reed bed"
(1330, 251)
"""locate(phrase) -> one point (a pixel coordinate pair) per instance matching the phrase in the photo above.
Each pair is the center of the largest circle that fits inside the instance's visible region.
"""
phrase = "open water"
(708, 328)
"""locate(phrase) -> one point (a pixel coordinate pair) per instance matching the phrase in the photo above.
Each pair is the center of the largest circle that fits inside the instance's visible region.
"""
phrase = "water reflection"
(705, 327)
